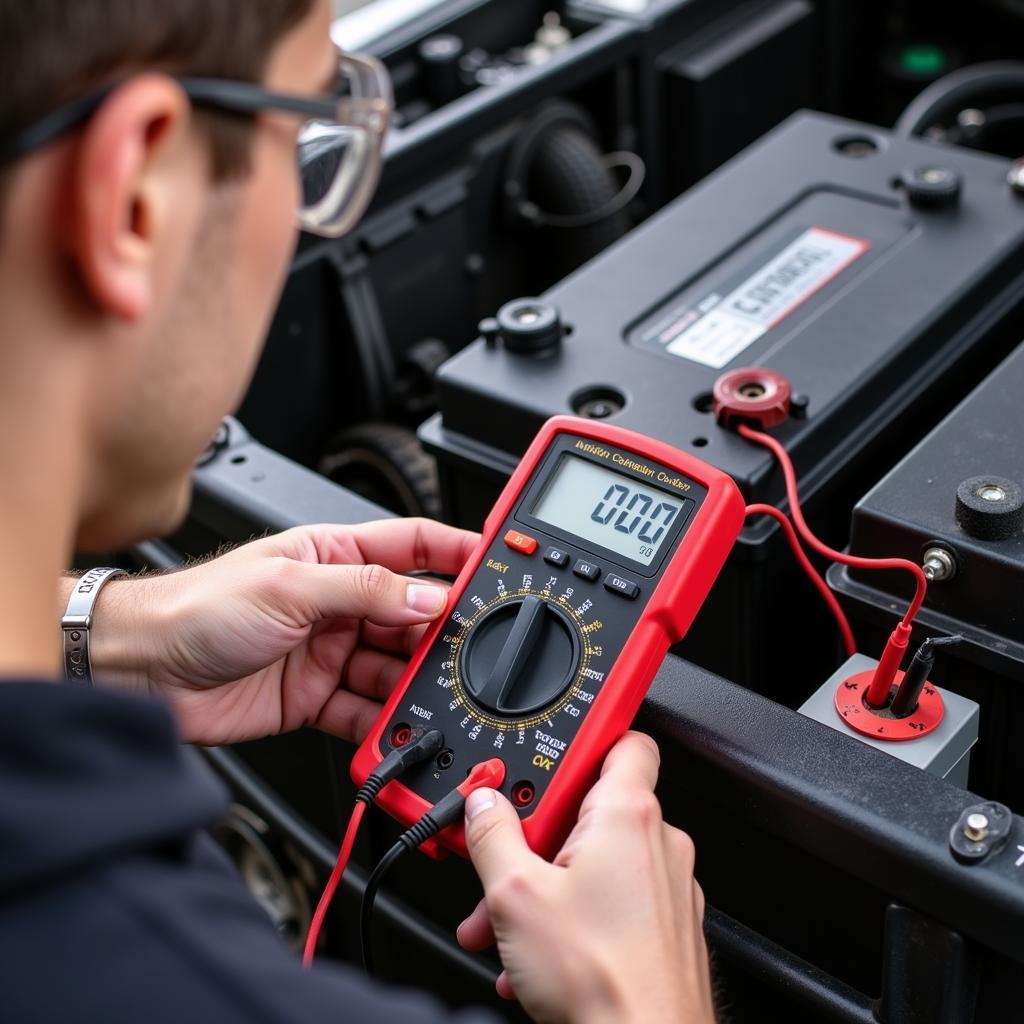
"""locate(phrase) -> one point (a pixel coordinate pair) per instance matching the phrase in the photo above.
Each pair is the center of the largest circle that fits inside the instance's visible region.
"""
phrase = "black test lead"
(905, 700)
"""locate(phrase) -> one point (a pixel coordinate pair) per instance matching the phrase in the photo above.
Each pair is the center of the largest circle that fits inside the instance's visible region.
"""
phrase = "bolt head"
(938, 564)
(527, 316)
(991, 492)
(976, 826)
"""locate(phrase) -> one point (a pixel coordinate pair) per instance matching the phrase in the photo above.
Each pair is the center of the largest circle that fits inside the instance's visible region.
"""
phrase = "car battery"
(883, 277)
(956, 504)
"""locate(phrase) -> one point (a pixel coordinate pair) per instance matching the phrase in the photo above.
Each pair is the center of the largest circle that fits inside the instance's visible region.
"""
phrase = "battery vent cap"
(990, 507)
(529, 326)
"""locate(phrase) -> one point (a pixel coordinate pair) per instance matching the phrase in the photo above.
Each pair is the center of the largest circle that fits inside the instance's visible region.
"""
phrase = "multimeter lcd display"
(608, 508)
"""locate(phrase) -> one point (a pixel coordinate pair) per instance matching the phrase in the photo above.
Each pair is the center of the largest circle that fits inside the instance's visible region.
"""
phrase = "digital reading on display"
(608, 508)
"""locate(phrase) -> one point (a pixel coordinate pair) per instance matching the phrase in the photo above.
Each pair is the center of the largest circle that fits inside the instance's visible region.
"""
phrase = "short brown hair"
(52, 51)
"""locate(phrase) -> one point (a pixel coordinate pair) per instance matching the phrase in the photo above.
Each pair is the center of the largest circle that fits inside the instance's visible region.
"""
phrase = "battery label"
(719, 328)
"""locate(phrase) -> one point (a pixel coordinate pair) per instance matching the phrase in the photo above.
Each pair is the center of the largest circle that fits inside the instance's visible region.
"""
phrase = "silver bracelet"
(77, 622)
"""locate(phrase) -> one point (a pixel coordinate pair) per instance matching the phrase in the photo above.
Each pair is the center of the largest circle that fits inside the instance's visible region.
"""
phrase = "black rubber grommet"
(990, 507)
(931, 187)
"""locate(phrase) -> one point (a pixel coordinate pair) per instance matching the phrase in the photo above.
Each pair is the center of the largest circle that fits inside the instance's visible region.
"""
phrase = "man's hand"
(308, 627)
(612, 929)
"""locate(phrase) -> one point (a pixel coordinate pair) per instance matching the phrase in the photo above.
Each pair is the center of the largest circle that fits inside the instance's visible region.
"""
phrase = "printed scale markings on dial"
(534, 593)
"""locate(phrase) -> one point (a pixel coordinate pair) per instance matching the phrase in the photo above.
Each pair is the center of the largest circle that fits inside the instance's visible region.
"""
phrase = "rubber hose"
(966, 87)
(568, 175)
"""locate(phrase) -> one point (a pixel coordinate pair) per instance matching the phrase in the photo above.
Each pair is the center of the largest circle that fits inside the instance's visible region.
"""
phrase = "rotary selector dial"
(520, 657)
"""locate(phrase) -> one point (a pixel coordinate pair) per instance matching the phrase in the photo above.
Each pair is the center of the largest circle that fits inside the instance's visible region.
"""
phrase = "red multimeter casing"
(539, 661)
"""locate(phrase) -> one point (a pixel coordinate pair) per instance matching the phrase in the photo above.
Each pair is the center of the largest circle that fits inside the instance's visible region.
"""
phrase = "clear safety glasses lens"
(340, 161)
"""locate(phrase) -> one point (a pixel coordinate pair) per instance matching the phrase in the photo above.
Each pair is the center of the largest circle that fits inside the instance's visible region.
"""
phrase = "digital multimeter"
(593, 562)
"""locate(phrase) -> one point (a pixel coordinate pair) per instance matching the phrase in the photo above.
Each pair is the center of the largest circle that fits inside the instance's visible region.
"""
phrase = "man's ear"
(122, 174)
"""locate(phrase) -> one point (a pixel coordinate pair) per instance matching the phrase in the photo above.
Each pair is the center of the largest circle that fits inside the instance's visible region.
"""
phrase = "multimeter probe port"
(523, 793)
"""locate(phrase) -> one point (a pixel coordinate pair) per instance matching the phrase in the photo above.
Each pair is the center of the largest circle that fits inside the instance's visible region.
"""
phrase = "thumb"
(494, 838)
(365, 592)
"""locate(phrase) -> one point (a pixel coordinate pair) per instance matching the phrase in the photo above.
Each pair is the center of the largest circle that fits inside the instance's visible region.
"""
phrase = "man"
(146, 224)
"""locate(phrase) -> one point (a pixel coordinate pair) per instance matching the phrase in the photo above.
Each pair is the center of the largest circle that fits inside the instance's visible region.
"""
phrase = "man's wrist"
(123, 634)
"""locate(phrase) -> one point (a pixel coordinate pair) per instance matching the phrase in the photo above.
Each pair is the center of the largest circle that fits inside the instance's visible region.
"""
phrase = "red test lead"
(878, 692)
(417, 745)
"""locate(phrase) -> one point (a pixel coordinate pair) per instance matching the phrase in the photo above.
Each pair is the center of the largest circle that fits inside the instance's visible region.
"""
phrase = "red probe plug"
(486, 774)
(448, 810)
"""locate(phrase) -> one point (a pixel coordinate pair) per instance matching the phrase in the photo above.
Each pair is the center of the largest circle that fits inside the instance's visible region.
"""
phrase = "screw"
(798, 405)
(938, 565)
(935, 175)
(991, 492)
(976, 827)
(1015, 176)
(527, 316)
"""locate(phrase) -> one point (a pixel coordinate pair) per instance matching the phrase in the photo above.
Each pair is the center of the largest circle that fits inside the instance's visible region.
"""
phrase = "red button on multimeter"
(520, 542)
(543, 667)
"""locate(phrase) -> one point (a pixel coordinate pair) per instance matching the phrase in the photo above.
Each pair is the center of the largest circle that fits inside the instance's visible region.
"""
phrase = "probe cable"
(849, 644)
(881, 683)
(422, 744)
(444, 813)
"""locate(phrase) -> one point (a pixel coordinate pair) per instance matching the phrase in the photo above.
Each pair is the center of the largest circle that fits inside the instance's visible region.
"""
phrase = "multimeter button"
(619, 585)
(556, 556)
(586, 570)
(520, 542)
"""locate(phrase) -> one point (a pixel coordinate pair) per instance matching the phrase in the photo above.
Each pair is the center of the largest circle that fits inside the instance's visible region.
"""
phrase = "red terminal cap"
(853, 707)
(489, 774)
(751, 394)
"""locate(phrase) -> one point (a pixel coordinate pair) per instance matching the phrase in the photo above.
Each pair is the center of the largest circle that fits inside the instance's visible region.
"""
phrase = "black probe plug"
(422, 744)
(905, 700)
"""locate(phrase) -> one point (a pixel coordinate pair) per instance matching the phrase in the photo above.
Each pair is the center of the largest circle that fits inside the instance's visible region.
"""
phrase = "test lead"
(905, 701)
(447, 811)
(420, 745)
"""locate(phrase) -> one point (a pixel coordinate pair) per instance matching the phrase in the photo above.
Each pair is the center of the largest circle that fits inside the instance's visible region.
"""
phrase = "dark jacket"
(115, 905)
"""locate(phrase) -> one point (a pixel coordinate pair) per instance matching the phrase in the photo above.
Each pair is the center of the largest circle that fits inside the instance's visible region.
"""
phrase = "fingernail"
(424, 598)
(478, 801)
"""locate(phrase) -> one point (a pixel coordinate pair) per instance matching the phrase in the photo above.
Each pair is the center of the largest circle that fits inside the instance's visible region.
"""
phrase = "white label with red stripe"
(731, 324)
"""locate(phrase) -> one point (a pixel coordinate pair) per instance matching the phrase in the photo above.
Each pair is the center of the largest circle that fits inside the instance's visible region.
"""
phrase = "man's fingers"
(399, 544)
(476, 933)
(372, 592)
(347, 716)
(634, 759)
(396, 639)
(497, 847)
(372, 673)
(504, 987)
(625, 790)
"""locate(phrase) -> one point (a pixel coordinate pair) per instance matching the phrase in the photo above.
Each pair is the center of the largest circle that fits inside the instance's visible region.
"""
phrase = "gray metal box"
(946, 752)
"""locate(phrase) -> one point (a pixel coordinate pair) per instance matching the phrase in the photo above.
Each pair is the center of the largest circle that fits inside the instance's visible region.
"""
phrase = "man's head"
(142, 253)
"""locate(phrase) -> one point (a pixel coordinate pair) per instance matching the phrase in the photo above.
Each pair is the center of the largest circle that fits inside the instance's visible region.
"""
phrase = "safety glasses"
(340, 142)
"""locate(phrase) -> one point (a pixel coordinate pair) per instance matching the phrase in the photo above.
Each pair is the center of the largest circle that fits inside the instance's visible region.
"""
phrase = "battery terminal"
(938, 565)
